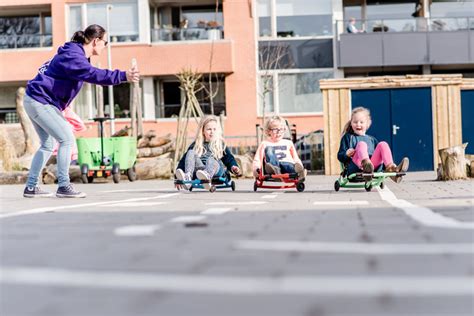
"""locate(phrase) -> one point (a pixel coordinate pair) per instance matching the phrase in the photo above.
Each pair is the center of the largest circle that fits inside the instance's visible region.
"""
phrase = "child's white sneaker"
(203, 175)
(180, 175)
(301, 171)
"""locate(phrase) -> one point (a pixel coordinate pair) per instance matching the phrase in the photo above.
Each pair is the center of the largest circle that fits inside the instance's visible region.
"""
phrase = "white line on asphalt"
(184, 219)
(216, 211)
(165, 196)
(134, 204)
(238, 203)
(422, 214)
(136, 230)
(250, 285)
(269, 196)
(62, 207)
(137, 190)
(356, 248)
(341, 203)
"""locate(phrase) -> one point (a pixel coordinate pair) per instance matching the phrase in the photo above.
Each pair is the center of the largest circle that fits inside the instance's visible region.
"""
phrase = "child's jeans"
(50, 124)
(271, 158)
(382, 155)
(194, 163)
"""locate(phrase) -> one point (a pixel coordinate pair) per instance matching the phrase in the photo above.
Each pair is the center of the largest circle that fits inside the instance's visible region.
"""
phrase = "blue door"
(402, 118)
(467, 113)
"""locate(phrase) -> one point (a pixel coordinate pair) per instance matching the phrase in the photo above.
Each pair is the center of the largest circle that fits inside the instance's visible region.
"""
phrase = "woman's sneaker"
(203, 175)
(36, 192)
(69, 192)
(180, 175)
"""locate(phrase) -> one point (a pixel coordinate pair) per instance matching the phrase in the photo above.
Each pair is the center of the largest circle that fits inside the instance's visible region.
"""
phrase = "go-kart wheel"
(300, 187)
(116, 173)
(255, 186)
(337, 186)
(84, 172)
(90, 179)
(190, 188)
(382, 185)
(368, 186)
(131, 174)
(232, 185)
(212, 189)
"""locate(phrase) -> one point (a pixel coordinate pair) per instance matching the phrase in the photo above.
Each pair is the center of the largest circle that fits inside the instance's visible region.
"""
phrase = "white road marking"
(137, 190)
(216, 211)
(134, 204)
(324, 203)
(184, 219)
(269, 196)
(238, 203)
(136, 230)
(422, 214)
(63, 207)
(165, 196)
(357, 248)
(294, 285)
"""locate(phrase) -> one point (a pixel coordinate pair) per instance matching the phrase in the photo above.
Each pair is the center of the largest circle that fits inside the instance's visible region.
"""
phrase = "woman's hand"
(350, 152)
(133, 75)
(236, 171)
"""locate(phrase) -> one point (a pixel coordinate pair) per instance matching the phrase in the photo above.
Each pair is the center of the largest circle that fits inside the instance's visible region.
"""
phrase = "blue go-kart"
(363, 180)
(217, 182)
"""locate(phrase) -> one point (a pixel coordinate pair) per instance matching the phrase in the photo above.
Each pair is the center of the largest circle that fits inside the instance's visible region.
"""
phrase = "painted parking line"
(356, 248)
(136, 230)
(421, 214)
(73, 206)
(216, 211)
(237, 203)
(134, 204)
(185, 219)
(336, 203)
(292, 285)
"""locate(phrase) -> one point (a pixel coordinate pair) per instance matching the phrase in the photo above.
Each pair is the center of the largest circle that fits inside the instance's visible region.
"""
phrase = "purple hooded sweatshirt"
(60, 79)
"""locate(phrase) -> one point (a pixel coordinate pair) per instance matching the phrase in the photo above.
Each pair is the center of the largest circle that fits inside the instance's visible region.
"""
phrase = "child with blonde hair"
(207, 156)
(280, 154)
(364, 152)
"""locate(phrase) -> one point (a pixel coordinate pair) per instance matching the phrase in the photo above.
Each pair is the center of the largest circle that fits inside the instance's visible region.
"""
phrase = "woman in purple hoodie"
(58, 81)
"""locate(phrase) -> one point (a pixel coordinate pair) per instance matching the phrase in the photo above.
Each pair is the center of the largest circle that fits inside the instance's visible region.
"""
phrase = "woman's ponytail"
(91, 32)
(79, 37)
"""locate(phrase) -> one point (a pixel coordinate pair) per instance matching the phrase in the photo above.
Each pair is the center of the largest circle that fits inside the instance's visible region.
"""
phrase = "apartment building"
(261, 55)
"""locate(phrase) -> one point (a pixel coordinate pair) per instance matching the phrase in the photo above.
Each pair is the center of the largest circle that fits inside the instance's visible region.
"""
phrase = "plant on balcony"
(213, 24)
(201, 23)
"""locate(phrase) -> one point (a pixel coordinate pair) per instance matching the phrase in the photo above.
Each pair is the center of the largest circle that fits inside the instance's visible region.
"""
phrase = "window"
(300, 92)
(121, 100)
(26, 31)
(8, 105)
(123, 19)
(303, 18)
(170, 98)
(264, 18)
(316, 53)
(451, 8)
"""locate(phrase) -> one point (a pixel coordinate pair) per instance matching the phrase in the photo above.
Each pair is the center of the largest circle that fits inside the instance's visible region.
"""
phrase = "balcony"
(417, 41)
(185, 34)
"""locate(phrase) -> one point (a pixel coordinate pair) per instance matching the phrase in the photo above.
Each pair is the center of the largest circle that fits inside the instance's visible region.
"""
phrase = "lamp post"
(109, 61)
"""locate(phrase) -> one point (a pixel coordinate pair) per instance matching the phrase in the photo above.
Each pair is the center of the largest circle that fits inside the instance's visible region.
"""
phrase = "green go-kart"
(102, 157)
(363, 180)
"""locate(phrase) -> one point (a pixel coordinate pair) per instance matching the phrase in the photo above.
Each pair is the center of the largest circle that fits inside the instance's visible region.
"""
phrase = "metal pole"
(109, 61)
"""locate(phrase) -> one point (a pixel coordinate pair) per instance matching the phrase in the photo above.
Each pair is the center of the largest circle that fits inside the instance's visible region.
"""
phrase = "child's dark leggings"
(271, 158)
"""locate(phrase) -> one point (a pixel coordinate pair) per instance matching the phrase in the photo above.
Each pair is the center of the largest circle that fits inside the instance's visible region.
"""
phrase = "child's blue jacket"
(227, 159)
(350, 140)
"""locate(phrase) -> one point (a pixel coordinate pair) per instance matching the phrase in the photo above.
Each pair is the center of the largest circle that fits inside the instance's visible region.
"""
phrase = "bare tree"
(190, 84)
(271, 56)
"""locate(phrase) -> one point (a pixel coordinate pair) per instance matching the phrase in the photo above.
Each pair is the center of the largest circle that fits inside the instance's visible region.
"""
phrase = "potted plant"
(213, 24)
(201, 23)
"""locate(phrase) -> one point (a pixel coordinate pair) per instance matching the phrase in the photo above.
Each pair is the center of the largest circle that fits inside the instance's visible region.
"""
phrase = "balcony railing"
(410, 25)
(401, 42)
(187, 34)
(15, 41)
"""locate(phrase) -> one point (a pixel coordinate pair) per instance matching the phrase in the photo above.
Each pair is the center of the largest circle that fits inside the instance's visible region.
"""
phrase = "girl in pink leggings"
(363, 152)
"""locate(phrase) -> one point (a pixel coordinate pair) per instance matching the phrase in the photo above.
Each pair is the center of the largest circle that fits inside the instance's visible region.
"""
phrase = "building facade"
(258, 56)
